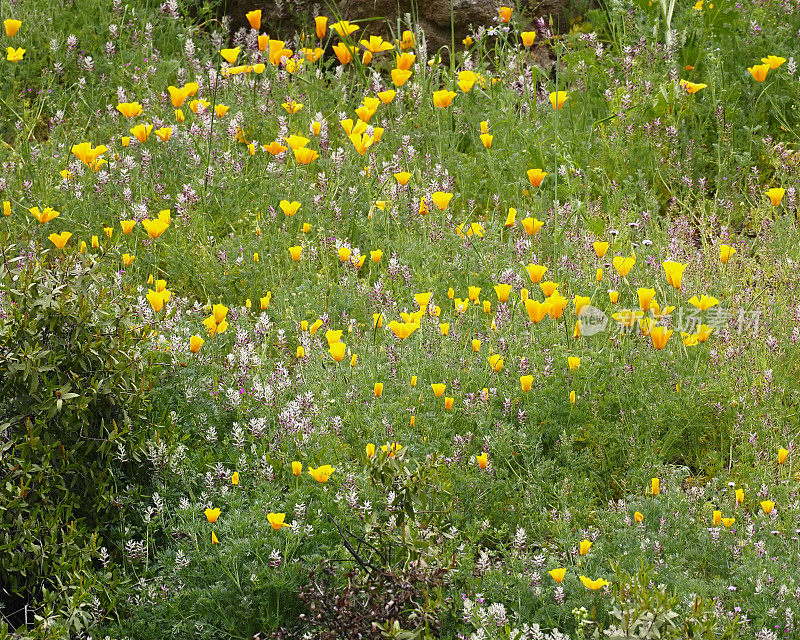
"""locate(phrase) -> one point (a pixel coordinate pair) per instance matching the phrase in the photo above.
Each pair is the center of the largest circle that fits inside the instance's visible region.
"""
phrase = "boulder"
(283, 17)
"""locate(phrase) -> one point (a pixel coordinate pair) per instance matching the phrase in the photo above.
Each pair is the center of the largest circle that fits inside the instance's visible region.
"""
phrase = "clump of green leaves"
(646, 611)
(72, 381)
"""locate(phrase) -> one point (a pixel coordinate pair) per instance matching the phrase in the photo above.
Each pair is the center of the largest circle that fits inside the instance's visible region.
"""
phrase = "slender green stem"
(554, 220)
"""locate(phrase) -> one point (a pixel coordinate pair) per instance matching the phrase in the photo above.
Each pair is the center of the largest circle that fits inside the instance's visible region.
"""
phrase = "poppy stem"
(212, 113)
(452, 55)
(555, 160)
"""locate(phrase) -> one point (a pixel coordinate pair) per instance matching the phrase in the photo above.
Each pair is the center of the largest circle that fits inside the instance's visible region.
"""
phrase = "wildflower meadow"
(339, 335)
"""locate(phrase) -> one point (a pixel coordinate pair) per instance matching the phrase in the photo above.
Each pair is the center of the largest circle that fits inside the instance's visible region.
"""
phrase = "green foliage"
(74, 384)
(68, 349)
(645, 612)
(117, 438)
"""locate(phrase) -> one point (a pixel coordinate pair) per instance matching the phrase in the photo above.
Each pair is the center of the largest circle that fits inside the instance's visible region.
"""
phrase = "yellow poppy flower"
(443, 98)
(599, 583)
(276, 520)
(321, 474)
(60, 239)
(558, 98)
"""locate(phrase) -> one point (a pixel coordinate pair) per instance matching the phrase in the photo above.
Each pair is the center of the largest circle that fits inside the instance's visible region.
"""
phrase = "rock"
(283, 18)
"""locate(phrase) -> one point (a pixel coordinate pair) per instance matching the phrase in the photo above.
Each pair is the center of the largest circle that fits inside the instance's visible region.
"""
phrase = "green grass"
(632, 159)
